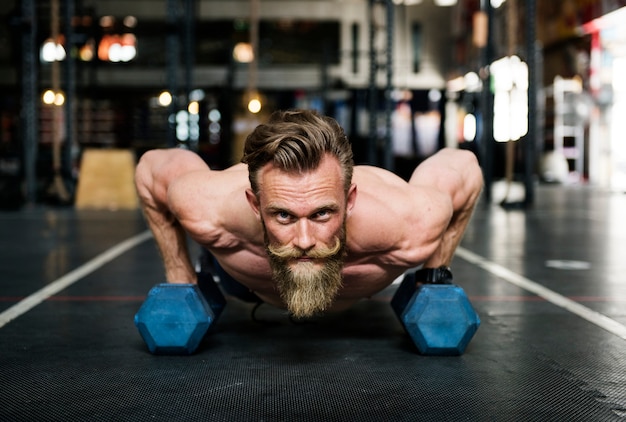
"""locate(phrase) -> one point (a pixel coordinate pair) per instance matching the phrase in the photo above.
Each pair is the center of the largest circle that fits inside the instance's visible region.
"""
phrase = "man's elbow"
(467, 186)
(144, 173)
(141, 171)
(476, 178)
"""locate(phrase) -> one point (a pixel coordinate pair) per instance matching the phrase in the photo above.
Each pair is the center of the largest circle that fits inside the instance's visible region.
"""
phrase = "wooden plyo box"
(106, 180)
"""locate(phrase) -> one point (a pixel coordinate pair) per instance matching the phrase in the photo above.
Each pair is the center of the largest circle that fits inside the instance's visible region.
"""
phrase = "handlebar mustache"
(291, 252)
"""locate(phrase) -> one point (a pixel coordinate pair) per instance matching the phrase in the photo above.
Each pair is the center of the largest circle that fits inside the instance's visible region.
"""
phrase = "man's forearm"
(450, 241)
(171, 240)
(154, 173)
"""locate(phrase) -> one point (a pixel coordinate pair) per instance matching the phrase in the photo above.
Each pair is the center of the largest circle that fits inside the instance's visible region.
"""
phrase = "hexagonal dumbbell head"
(175, 317)
(440, 319)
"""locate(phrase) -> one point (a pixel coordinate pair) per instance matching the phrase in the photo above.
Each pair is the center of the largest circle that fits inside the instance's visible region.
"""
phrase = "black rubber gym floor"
(548, 284)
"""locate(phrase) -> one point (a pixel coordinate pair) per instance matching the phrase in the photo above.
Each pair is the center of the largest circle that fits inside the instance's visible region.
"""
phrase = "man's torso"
(362, 277)
(379, 250)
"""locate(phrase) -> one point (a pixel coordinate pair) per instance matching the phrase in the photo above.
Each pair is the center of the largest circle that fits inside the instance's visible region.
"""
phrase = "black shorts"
(229, 285)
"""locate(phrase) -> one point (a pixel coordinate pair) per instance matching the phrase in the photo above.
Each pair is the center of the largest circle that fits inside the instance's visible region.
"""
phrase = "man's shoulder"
(391, 220)
(369, 177)
(212, 207)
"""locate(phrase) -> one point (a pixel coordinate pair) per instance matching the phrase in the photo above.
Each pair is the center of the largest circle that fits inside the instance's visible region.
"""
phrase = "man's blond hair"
(296, 141)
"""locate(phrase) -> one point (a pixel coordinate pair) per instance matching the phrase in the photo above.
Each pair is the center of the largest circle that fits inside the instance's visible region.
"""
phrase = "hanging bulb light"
(445, 3)
(254, 102)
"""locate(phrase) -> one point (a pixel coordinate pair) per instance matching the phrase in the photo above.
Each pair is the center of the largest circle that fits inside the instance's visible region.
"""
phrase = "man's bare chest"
(361, 279)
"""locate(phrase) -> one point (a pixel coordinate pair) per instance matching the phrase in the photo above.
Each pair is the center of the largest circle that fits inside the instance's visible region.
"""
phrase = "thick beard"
(306, 289)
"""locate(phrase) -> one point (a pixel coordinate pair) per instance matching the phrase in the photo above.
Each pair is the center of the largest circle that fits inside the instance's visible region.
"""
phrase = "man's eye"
(282, 216)
(322, 214)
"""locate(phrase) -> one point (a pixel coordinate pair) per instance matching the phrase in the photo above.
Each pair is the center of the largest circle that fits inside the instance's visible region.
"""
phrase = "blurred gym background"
(530, 86)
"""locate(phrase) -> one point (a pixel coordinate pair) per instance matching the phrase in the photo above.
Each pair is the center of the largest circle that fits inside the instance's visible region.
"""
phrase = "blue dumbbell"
(175, 317)
(436, 314)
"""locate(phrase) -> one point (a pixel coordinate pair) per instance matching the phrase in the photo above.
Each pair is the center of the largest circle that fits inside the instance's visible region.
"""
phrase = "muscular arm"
(457, 175)
(156, 171)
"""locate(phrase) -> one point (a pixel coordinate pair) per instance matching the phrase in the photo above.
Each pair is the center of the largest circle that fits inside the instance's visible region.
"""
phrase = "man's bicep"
(211, 205)
(187, 194)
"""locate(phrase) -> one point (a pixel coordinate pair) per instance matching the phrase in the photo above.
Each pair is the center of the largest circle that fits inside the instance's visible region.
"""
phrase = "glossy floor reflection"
(77, 355)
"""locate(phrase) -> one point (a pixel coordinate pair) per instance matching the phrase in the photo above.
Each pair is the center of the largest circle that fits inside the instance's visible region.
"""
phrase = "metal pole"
(70, 90)
(388, 152)
(173, 56)
(29, 96)
(487, 104)
(255, 10)
(511, 20)
(189, 61)
(189, 44)
(531, 52)
(57, 112)
(373, 138)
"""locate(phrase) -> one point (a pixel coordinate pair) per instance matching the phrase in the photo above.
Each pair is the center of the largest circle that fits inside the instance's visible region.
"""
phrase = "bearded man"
(297, 224)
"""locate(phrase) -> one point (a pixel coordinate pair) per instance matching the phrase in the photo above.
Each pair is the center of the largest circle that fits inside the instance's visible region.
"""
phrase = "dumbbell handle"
(440, 275)
(415, 280)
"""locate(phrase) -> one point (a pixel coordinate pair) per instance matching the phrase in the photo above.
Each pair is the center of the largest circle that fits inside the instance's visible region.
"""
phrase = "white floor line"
(561, 301)
(576, 308)
(70, 278)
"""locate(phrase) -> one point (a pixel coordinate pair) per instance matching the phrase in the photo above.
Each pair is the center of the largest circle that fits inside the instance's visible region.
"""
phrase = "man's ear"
(351, 198)
(253, 201)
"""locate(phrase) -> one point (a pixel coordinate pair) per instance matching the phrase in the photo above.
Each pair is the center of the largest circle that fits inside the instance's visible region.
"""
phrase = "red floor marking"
(80, 298)
(604, 299)
(97, 298)
(379, 297)
(540, 299)
(506, 299)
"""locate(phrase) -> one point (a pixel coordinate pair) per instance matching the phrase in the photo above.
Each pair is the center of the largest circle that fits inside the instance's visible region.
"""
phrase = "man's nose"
(303, 237)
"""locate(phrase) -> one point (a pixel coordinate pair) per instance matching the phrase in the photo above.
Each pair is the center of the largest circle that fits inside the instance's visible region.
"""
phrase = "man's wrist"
(181, 278)
(439, 275)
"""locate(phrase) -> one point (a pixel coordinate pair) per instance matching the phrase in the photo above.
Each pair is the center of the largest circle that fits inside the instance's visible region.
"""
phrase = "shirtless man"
(299, 225)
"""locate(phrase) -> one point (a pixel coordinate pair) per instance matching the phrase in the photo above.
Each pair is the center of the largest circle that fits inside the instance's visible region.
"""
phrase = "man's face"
(304, 219)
